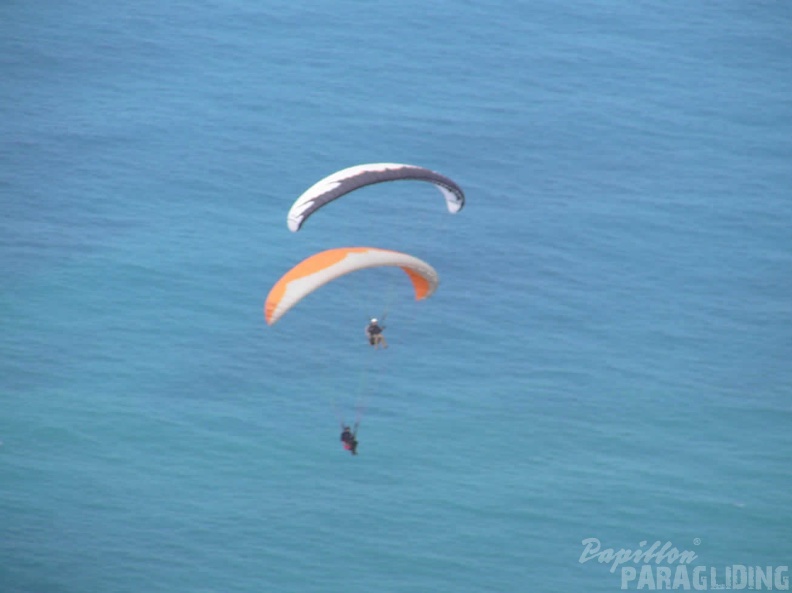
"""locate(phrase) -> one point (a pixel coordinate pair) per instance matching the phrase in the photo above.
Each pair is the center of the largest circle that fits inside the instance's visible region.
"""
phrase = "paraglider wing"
(347, 180)
(326, 266)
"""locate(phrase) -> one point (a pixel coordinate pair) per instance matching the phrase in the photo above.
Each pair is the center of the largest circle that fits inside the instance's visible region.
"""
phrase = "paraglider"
(326, 266)
(349, 438)
(348, 180)
(374, 334)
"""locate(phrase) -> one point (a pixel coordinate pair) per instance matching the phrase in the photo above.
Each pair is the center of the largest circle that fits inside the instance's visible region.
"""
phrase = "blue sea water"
(609, 354)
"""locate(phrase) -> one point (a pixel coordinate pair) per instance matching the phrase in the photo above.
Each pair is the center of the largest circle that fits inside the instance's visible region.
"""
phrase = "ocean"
(607, 358)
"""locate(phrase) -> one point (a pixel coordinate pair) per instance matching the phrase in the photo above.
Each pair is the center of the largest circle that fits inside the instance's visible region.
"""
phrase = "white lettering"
(663, 577)
(591, 543)
(628, 576)
(781, 581)
(739, 577)
(700, 578)
(646, 578)
(592, 550)
(681, 580)
(764, 578)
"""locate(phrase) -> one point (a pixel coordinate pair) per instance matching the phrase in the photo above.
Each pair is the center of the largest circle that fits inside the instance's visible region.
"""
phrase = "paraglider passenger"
(349, 440)
(374, 334)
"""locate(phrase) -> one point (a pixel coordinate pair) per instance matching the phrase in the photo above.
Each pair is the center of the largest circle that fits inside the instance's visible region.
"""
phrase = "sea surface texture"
(608, 355)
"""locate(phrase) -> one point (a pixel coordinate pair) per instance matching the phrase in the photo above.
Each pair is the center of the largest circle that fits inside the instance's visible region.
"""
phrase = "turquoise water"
(608, 354)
